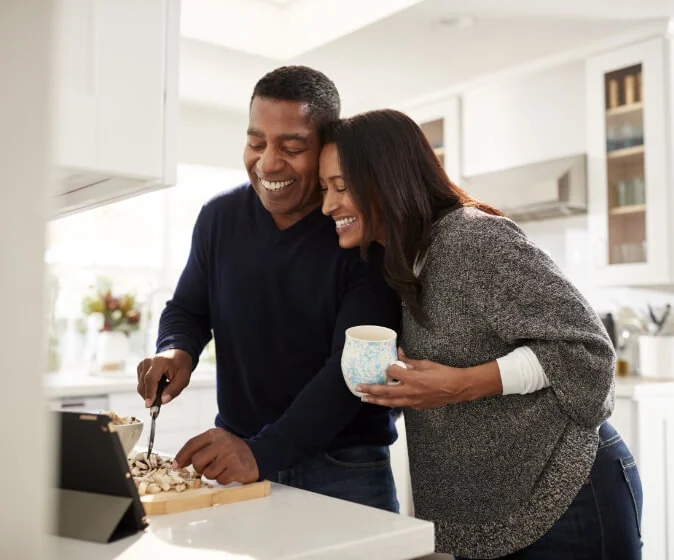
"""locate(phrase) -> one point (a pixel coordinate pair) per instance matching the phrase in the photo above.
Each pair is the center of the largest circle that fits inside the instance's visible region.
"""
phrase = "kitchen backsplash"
(567, 241)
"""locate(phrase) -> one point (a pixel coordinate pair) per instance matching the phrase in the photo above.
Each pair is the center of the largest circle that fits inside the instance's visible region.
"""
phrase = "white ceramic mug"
(368, 352)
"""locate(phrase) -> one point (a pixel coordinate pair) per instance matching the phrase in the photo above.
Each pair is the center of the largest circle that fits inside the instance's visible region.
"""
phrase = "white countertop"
(636, 387)
(289, 524)
(74, 384)
(80, 384)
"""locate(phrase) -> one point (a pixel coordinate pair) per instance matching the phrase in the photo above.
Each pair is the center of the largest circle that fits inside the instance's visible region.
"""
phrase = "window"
(139, 245)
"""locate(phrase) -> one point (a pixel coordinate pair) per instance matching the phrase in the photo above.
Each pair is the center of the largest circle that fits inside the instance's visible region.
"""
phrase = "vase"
(112, 350)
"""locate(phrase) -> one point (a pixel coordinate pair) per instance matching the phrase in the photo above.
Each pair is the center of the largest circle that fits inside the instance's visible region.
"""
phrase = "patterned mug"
(368, 352)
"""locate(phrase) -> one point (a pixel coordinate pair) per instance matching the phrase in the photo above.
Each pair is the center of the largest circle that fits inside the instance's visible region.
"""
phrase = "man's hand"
(175, 364)
(219, 455)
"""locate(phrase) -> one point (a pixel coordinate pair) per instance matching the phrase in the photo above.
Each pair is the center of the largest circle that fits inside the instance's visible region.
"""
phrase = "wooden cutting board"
(175, 502)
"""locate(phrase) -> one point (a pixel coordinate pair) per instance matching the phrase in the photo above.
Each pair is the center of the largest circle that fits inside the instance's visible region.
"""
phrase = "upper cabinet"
(524, 118)
(116, 103)
(441, 123)
(628, 116)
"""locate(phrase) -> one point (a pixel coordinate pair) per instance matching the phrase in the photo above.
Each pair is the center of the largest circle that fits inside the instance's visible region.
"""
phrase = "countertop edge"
(65, 385)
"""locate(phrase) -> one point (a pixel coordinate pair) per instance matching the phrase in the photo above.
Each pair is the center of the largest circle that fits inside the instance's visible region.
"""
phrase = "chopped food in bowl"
(128, 428)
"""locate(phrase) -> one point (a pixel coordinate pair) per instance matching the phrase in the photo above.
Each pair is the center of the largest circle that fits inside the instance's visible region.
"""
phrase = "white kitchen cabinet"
(629, 148)
(644, 416)
(523, 118)
(190, 414)
(441, 123)
(86, 403)
(116, 102)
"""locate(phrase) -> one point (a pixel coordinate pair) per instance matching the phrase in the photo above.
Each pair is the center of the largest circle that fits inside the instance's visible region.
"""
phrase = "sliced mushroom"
(153, 474)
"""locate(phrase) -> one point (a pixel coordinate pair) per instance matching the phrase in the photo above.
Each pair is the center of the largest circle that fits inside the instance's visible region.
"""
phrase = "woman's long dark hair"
(392, 173)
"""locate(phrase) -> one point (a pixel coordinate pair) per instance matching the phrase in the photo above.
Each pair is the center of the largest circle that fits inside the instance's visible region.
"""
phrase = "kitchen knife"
(154, 411)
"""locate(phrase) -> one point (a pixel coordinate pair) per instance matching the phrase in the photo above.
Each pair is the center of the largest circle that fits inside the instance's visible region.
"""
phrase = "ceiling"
(280, 29)
(386, 51)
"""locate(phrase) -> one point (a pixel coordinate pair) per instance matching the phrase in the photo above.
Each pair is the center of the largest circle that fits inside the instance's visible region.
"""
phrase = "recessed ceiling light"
(454, 22)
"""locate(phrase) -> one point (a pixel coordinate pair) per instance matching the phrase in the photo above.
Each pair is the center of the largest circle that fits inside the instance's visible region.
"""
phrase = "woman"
(510, 371)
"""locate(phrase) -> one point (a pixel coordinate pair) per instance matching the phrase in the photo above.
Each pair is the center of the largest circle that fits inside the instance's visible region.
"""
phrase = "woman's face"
(337, 202)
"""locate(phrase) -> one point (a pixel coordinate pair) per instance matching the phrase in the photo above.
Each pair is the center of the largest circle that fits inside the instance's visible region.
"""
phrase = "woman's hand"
(426, 384)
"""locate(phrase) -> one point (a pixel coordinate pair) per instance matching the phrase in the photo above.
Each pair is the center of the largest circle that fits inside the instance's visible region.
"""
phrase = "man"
(266, 275)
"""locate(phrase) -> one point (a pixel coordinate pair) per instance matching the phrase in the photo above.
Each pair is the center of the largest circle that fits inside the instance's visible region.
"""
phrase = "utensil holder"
(656, 356)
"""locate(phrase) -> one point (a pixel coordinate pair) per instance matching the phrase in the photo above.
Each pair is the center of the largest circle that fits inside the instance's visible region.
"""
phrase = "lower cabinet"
(647, 425)
(190, 414)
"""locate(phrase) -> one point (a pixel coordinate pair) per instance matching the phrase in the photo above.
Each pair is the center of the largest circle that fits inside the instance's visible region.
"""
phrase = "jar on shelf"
(622, 195)
(630, 89)
(613, 139)
(613, 93)
(638, 134)
(628, 136)
(637, 186)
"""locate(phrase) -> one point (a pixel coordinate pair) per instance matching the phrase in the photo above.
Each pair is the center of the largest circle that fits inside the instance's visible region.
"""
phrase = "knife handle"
(163, 382)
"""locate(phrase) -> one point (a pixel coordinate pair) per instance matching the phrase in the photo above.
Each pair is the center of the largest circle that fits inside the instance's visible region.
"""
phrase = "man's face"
(281, 157)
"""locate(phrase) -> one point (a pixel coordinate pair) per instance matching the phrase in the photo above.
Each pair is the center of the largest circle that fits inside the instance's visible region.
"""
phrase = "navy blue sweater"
(278, 303)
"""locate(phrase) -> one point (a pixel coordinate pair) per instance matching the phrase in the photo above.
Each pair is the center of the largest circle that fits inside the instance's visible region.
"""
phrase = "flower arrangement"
(120, 314)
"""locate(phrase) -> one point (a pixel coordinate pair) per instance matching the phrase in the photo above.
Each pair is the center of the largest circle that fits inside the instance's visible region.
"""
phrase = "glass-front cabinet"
(628, 176)
(441, 123)
(435, 133)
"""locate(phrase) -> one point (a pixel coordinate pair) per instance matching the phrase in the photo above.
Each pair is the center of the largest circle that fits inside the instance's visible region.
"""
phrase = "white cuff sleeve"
(521, 372)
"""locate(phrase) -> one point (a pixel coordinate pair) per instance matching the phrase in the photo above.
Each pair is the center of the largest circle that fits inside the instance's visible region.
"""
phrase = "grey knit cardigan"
(496, 474)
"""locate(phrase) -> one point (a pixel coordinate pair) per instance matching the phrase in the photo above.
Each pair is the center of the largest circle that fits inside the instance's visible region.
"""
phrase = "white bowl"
(129, 434)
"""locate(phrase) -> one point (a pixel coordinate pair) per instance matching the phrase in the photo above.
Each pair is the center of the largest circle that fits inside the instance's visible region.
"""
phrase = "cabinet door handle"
(72, 405)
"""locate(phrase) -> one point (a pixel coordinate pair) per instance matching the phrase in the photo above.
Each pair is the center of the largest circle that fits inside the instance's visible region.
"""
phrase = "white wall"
(218, 76)
(524, 119)
(211, 136)
(568, 242)
(24, 102)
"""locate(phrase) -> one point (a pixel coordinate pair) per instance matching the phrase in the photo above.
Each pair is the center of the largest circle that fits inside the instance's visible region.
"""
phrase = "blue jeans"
(360, 474)
(604, 520)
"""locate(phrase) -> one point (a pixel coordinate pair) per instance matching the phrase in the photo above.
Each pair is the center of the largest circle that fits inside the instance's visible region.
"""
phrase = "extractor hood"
(539, 191)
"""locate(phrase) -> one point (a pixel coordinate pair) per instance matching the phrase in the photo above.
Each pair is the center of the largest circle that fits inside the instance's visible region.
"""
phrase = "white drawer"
(208, 407)
(179, 413)
(169, 442)
(128, 404)
(96, 403)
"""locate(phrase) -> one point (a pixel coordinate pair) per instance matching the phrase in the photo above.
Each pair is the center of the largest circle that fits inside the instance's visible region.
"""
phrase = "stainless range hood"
(550, 189)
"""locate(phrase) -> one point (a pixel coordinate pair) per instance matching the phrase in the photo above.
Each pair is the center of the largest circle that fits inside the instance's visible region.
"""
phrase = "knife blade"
(154, 411)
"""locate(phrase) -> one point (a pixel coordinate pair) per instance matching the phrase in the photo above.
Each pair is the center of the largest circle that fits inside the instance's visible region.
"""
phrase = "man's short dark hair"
(303, 84)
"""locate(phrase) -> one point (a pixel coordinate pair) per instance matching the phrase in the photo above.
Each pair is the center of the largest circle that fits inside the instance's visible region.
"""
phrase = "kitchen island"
(289, 524)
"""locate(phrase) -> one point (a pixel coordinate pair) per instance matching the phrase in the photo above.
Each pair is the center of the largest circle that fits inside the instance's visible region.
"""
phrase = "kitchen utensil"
(626, 317)
(154, 410)
(174, 502)
(659, 322)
